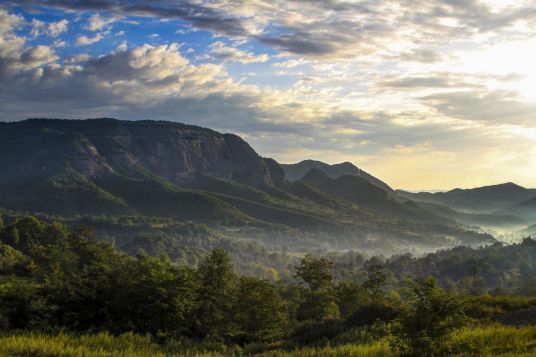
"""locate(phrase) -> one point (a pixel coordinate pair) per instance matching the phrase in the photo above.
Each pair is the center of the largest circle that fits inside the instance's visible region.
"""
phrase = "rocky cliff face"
(97, 147)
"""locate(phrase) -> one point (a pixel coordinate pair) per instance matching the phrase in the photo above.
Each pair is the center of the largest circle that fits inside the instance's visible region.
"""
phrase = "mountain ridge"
(177, 171)
(298, 170)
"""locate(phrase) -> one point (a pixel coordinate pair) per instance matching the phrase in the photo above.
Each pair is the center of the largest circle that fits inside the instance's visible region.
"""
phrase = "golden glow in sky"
(423, 94)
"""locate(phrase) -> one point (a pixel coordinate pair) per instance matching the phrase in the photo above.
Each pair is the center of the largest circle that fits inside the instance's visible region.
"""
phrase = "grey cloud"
(444, 80)
(422, 55)
(298, 44)
(501, 107)
(333, 28)
(200, 16)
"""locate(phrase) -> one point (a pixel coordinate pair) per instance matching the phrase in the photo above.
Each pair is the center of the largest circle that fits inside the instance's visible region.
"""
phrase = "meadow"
(490, 340)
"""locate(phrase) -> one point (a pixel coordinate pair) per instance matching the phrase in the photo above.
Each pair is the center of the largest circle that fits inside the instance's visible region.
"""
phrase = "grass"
(376, 349)
(67, 345)
(492, 340)
(496, 340)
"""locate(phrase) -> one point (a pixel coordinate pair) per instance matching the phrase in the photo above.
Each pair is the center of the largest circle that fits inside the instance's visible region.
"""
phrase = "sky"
(424, 94)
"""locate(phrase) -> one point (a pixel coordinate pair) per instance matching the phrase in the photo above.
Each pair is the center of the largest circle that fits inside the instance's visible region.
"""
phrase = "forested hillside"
(118, 171)
(55, 279)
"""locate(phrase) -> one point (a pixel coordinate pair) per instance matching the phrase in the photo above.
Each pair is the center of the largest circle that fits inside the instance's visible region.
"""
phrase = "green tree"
(260, 312)
(216, 295)
(315, 272)
(427, 320)
(376, 277)
(160, 297)
(351, 296)
(320, 299)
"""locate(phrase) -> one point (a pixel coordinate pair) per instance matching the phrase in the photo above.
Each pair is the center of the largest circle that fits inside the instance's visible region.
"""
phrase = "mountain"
(42, 148)
(531, 230)
(169, 174)
(297, 171)
(526, 209)
(363, 193)
(479, 219)
(485, 199)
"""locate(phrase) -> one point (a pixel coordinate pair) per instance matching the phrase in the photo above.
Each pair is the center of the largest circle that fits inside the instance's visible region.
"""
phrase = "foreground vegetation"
(64, 293)
(493, 340)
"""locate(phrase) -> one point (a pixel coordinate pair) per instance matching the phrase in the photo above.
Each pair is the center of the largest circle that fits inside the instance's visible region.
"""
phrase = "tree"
(160, 297)
(320, 300)
(215, 295)
(314, 272)
(260, 312)
(430, 315)
(376, 277)
(351, 296)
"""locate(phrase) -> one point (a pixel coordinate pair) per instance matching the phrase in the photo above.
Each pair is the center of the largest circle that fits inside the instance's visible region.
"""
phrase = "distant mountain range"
(297, 171)
(112, 168)
(506, 200)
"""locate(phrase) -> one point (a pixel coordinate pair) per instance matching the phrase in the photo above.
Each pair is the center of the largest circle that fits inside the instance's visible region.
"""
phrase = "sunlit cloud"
(416, 92)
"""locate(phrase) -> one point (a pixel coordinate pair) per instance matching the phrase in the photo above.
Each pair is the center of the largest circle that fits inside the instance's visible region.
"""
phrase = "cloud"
(501, 107)
(52, 29)
(14, 56)
(123, 46)
(421, 55)
(82, 57)
(327, 29)
(8, 22)
(199, 15)
(85, 40)
(433, 81)
(59, 44)
(333, 29)
(56, 28)
(37, 56)
(379, 83)
(231, 54)
(96, 22)
(289, 64)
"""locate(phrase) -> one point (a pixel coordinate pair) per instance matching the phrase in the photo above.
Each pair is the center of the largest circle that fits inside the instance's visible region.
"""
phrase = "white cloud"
(226, 53)
(290, 63)
(85, 40)
(56, 28)
(82, 57)
(59, 44)
(36, 57)
(52, 29)
(385, 83)
(96, 22)
(123, 46)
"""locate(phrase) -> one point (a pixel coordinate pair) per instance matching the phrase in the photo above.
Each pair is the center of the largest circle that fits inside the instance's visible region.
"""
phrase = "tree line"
(54, 278)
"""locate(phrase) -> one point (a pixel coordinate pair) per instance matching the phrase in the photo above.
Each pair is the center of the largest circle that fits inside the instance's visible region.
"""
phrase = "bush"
(371, 313)
(425, 325)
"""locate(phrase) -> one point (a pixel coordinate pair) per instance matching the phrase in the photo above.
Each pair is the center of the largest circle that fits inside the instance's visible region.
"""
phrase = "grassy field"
(495, 340)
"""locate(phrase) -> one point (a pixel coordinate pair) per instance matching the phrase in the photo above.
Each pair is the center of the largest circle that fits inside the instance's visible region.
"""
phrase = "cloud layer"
(427, 94)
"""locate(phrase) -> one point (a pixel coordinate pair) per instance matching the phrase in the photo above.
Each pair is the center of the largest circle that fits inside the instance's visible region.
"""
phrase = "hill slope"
(177, 152)
(363, 193)
(297, 171)
(481, 199)
(181, 172)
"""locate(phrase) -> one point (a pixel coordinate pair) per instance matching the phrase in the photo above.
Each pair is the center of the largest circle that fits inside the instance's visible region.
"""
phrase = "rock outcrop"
(97, 147)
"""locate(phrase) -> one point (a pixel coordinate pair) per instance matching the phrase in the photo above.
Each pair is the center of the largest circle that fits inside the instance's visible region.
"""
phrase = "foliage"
(53, 278)
(216, 295)
(428, 319)
(260, 310)
(320, 298)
